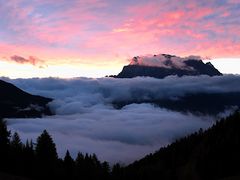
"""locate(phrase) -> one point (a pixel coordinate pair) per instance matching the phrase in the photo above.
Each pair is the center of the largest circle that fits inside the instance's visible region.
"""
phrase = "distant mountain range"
(199, 103)
(16, 103)
(162, 65)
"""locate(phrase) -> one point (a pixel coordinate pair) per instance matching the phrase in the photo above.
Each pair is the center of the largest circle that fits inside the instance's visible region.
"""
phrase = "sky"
(94, 38)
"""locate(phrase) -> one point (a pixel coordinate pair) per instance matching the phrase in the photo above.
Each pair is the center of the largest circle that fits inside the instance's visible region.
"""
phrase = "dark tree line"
(213, 154)
(40, 160)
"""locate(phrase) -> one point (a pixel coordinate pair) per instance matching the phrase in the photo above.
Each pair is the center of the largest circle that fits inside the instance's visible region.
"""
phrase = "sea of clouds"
(86, 121)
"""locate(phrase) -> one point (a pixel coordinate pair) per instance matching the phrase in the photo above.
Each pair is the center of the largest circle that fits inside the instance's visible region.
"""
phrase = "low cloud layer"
(86, 121)
(114, 135)
(87, 92)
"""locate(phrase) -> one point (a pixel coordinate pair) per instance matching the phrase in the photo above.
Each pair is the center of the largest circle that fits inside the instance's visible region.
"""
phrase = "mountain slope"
(160, 66)
(213, 154)
(199, 103)
(4, 176)
(16, 103)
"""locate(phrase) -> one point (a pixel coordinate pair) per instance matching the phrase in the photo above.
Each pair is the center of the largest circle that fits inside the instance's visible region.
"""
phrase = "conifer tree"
(46, 155)
(29, 159)
(46, 148)
(4, 145)
(80, 165)
(17, 160)
(16, 142)
(105, 170)
(69, 166)
(4, 134)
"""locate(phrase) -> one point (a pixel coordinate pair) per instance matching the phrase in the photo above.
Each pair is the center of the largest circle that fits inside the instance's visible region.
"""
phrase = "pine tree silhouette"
(105, 170)
(4, 146)
(117, 173)
(29, 158)
(46, 155)
(80, 165)
(46, 148)
(69, 166)
(16, 157)
(16, 142)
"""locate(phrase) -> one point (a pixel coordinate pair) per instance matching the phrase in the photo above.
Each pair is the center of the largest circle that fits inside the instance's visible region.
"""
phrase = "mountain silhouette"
(199, 103)
(16, 103)
(166, 65)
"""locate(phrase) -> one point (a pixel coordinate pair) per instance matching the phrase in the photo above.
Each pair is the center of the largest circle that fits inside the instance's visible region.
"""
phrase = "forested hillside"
(211, 154)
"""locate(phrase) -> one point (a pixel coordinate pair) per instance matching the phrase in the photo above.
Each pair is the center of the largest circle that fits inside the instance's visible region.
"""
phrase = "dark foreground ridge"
(193, 68)
(212, 154)
(205, 155)
(15, 103)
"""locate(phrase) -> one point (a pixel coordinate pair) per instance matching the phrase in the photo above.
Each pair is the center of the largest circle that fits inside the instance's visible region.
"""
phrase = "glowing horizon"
(94, 38)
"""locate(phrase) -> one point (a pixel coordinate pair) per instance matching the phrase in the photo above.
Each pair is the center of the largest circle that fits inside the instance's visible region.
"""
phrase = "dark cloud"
(85, 119)
(91, 92)
(30, 60)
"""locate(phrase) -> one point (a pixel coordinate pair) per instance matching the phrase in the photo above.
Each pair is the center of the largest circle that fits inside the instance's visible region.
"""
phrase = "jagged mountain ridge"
(16, 103)
(160, 66)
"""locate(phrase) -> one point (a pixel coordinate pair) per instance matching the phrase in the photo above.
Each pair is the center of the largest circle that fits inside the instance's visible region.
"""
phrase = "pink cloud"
(151, 28)
(58, 27)
(30, 60)
(95, 31)
(225, 14)
(234, 1)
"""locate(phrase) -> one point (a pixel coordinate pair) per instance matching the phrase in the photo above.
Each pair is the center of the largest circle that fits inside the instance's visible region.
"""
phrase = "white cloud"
(86, 121)
(114, 135)
(162, 60)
